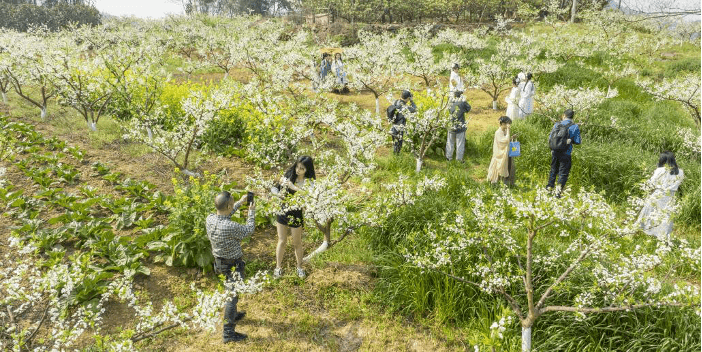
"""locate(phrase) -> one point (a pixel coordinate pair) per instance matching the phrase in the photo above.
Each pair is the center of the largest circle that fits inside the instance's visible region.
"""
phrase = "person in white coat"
(513, 101)
(656, 217)
(526, 96)
(455, 81)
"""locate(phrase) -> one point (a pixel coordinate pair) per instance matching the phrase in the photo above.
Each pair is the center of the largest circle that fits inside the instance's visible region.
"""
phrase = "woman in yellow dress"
(499, 165)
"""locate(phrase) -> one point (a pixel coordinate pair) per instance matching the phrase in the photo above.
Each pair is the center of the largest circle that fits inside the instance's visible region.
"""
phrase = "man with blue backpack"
(561, 140)
(396, 116)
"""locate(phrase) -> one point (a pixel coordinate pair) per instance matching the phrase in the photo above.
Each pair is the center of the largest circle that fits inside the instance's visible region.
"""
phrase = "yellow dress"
(499, 163)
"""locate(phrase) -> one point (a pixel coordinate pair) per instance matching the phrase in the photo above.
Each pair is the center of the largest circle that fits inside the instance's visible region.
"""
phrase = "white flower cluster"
(582, 100)
(691, 143)
(498, 328)
(684, 89)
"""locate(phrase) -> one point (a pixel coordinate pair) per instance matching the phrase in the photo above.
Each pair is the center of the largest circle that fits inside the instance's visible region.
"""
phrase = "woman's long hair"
(668, 157)
(307, 161)
(528, 78)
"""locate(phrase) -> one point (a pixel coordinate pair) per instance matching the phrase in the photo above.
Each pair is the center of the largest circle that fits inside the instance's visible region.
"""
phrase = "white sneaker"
(277, 273)
(301, 273)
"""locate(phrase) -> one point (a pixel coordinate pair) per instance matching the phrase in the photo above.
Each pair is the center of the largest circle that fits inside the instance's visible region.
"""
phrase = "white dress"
(512, 104)
(338, 69)
(655, 218)
(526, 100)
(459, 82)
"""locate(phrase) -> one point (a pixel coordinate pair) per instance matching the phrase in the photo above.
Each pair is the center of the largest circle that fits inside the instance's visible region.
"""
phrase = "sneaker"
(277, 273)
(239, 316)
(236, 336)
(301, 273)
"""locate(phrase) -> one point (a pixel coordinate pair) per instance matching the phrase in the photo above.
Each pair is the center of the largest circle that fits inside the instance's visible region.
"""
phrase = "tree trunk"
(190, 173)
(419, 165)
(526, 339)
(494, 105)
(377, 106)
(226, 74)
(572, 11)
(4, 98)
(148, 132)
(43, 112)
(92, 125)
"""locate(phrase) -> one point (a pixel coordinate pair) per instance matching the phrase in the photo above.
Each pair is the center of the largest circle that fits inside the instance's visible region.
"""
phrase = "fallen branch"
(43, 317)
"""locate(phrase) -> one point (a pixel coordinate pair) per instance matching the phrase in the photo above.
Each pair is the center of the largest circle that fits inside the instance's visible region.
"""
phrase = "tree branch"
(560, 279)
(605, 309)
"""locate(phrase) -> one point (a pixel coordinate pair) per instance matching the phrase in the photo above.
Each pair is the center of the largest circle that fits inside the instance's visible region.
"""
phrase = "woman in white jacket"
(656, 217)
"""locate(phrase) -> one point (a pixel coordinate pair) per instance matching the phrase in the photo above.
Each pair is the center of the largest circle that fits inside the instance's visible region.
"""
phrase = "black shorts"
(292, 218)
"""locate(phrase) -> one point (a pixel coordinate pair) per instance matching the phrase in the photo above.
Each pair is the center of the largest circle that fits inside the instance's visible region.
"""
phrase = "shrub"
(226, 132)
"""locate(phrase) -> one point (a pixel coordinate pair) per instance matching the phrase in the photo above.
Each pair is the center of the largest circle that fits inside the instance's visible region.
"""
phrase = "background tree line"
(54, 14)
(389, 11)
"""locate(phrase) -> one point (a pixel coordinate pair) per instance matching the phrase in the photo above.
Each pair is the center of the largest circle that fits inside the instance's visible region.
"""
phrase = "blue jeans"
(226, 266)
(560, 167)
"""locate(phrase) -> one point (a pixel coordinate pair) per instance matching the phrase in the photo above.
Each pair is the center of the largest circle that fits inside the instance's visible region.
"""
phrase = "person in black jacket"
(457, 133)
(398, 126)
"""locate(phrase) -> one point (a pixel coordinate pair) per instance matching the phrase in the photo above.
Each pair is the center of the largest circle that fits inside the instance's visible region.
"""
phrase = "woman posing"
(291, 219)
(338, 68)
(526, 92)
(513, 100)
(655, 218)
(500, 164)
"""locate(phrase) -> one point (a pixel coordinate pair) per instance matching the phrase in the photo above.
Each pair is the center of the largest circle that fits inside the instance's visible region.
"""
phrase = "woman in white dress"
(655, 218)
(526, 100)
(512, 100)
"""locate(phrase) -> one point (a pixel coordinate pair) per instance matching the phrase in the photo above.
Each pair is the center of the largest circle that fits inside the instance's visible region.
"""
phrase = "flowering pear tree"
(216, 49)
(465, 40)
(343, 148)
(375, 64)
(424, 126)
(422, 63)
(26, 287)
(82, 78)
(583, 101)
(683, 89)
(542, 255)
(494, 76)
(28, 67)
(177, 143)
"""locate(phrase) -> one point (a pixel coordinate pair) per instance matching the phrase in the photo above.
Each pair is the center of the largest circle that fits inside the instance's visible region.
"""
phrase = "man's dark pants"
(560, 166)
(397, 132)
(225, 266)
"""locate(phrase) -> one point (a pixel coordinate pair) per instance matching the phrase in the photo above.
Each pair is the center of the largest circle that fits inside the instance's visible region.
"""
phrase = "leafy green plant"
(185, 242)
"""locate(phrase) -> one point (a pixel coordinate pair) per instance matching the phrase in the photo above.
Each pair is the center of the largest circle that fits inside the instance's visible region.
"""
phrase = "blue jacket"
(573, 133)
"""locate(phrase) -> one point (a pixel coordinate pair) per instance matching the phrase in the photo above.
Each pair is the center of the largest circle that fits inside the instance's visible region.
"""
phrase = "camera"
(249, 198)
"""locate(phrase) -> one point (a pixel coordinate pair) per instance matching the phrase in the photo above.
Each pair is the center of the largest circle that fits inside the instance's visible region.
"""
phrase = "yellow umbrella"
(331, 51)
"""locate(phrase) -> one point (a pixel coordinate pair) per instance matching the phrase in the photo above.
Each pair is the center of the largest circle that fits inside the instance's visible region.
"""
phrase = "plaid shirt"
(225, 235)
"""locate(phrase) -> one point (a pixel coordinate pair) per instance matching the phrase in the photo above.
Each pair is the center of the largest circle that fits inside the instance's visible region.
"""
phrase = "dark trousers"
(226, 266)
(560, 167)
(397, 134)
